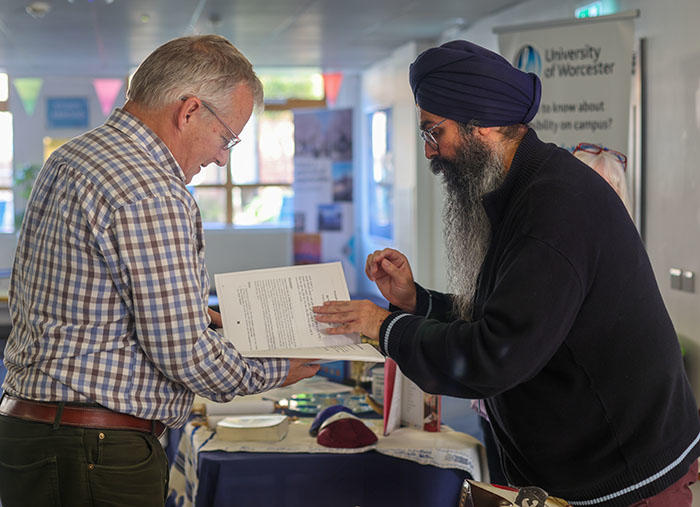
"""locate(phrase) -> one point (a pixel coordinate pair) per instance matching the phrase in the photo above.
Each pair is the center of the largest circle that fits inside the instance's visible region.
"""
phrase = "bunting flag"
(28, 89)
(107, 90)
(331, 85)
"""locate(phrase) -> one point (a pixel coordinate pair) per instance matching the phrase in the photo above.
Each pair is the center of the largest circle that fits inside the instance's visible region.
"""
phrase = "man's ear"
(485, 132)
(489, 135)
(186, 108)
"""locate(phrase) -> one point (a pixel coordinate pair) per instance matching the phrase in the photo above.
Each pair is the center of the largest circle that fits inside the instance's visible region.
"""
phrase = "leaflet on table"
(405, 404)
(267, 313)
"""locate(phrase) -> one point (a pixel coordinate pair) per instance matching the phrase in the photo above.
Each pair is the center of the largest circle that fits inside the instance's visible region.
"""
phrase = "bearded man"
(556, 322)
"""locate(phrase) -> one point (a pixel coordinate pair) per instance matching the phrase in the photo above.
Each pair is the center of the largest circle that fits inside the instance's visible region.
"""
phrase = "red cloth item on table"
(345, 431)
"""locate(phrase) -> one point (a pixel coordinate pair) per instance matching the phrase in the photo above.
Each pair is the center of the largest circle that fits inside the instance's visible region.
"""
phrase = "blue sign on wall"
(67, 112)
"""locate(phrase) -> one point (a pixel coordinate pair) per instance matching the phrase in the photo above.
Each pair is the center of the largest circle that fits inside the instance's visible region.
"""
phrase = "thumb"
(390, 268)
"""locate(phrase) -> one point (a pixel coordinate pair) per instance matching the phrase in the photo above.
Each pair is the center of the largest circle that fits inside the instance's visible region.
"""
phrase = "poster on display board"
(585, 67)
(67, 112)
(586, 70)
(323, 189)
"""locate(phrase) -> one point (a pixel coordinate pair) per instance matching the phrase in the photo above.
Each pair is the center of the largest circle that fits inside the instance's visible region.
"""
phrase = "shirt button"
(101, 436)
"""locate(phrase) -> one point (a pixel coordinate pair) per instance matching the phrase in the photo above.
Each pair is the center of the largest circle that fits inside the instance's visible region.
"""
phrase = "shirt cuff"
(386, 328)
(424, 301)
(275, 370)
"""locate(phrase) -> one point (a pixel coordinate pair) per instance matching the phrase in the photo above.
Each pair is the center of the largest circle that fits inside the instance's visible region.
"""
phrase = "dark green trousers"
(41, 465)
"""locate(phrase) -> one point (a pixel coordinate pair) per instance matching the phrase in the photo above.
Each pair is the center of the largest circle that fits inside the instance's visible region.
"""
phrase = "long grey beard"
(475, 172)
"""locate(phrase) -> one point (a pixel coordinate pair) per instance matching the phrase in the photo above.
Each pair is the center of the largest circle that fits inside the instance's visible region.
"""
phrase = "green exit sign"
(589, 10)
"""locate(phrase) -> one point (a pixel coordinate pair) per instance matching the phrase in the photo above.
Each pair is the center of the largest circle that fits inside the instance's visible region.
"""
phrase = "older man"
(108, 295)
(556, 320)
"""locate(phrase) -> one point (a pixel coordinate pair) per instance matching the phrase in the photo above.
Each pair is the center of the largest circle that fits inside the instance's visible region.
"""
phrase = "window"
(381, 182)
(255, 188)
(6, 197)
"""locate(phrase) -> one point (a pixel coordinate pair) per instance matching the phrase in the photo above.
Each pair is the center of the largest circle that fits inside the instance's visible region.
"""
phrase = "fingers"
(335, 317)
(307, 370)
(302, 364)
(351, 317)
(389, 267)
(332, 307)
(393, 256)
(350, 328)
(371, 265)
(300, 369)
(342, 315)
(376, 261)
(215, 318)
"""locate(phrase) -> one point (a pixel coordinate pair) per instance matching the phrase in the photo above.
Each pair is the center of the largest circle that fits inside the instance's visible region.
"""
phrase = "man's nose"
(221, 157)
(431, 152)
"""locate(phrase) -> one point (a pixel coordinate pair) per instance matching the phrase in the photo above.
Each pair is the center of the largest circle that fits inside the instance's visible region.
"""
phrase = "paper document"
(267, 313)
(405, 404)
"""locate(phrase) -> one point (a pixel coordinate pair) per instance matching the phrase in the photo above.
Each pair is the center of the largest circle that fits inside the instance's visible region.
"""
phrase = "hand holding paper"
(215, 318)
(300, 369)
(360, 316)
(268, 313)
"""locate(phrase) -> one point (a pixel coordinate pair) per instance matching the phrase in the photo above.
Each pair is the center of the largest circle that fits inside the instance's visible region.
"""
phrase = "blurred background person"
(610, 164)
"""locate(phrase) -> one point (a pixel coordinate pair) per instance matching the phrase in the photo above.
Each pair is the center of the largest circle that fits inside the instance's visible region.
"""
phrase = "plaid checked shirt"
(109, 289)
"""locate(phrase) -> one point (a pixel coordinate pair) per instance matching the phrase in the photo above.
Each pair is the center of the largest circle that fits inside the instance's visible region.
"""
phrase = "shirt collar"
(143, 136)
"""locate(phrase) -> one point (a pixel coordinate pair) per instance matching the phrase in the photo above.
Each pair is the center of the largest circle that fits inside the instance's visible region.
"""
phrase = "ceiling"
(110, 37)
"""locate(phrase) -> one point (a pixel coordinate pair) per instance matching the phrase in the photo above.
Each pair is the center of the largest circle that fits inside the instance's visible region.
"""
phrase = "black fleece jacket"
(570, 344)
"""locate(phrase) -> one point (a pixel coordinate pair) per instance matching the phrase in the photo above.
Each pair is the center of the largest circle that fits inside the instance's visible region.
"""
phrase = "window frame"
(5, 108)
(229, 186)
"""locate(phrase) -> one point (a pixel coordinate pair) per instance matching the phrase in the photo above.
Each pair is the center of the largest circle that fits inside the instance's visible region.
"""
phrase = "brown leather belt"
(73, 415)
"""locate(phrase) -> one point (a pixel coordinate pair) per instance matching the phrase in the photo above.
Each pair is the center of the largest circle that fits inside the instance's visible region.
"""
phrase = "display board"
(323, 190)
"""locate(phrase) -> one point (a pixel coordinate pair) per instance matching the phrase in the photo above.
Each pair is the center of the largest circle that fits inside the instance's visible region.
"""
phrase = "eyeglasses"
(230, 142)
(427, 135)
(595, 149)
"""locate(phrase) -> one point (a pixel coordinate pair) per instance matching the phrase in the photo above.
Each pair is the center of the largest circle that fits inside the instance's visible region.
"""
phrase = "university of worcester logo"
(528, 59)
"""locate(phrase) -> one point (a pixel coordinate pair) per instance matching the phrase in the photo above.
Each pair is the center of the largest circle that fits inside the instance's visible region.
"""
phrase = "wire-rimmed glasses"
(230, 142)
(427, 135)
(595, 149)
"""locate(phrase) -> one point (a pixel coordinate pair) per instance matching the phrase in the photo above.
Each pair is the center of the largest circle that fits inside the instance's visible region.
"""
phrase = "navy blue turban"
(463, 82)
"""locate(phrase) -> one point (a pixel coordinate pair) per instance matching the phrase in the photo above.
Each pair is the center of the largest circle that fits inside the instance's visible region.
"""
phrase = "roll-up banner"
(585, 67)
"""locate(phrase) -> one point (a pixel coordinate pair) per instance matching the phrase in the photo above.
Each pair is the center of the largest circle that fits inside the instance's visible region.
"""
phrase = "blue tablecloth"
(408, 467)
(369, 479)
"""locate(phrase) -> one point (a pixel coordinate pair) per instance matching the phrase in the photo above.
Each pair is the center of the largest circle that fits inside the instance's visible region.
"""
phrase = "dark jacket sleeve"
(525, 319)
(430, 303)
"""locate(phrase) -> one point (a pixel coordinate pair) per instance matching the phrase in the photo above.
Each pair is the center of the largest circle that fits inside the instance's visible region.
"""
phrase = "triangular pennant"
(107, 90)
(331, 85)
(28, 89)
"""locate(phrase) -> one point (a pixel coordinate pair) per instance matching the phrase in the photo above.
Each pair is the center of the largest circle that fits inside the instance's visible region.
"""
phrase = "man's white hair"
(206, 66)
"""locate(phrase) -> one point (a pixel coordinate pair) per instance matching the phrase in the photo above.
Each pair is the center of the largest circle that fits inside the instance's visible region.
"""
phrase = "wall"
(8, 243)
(385, 85)
(29, 131)
(237, 250)
(671, 142)
(226, 249)
(240, 249)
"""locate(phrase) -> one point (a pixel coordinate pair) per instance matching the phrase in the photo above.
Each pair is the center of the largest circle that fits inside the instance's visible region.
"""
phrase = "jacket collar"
(529, 156)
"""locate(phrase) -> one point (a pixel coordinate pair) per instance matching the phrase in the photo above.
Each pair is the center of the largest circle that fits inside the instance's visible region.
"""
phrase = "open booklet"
(405, 404)
(267, 313)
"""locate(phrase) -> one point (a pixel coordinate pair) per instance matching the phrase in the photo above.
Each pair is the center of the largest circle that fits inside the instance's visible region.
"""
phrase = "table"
(408, 467)
(369, 479)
